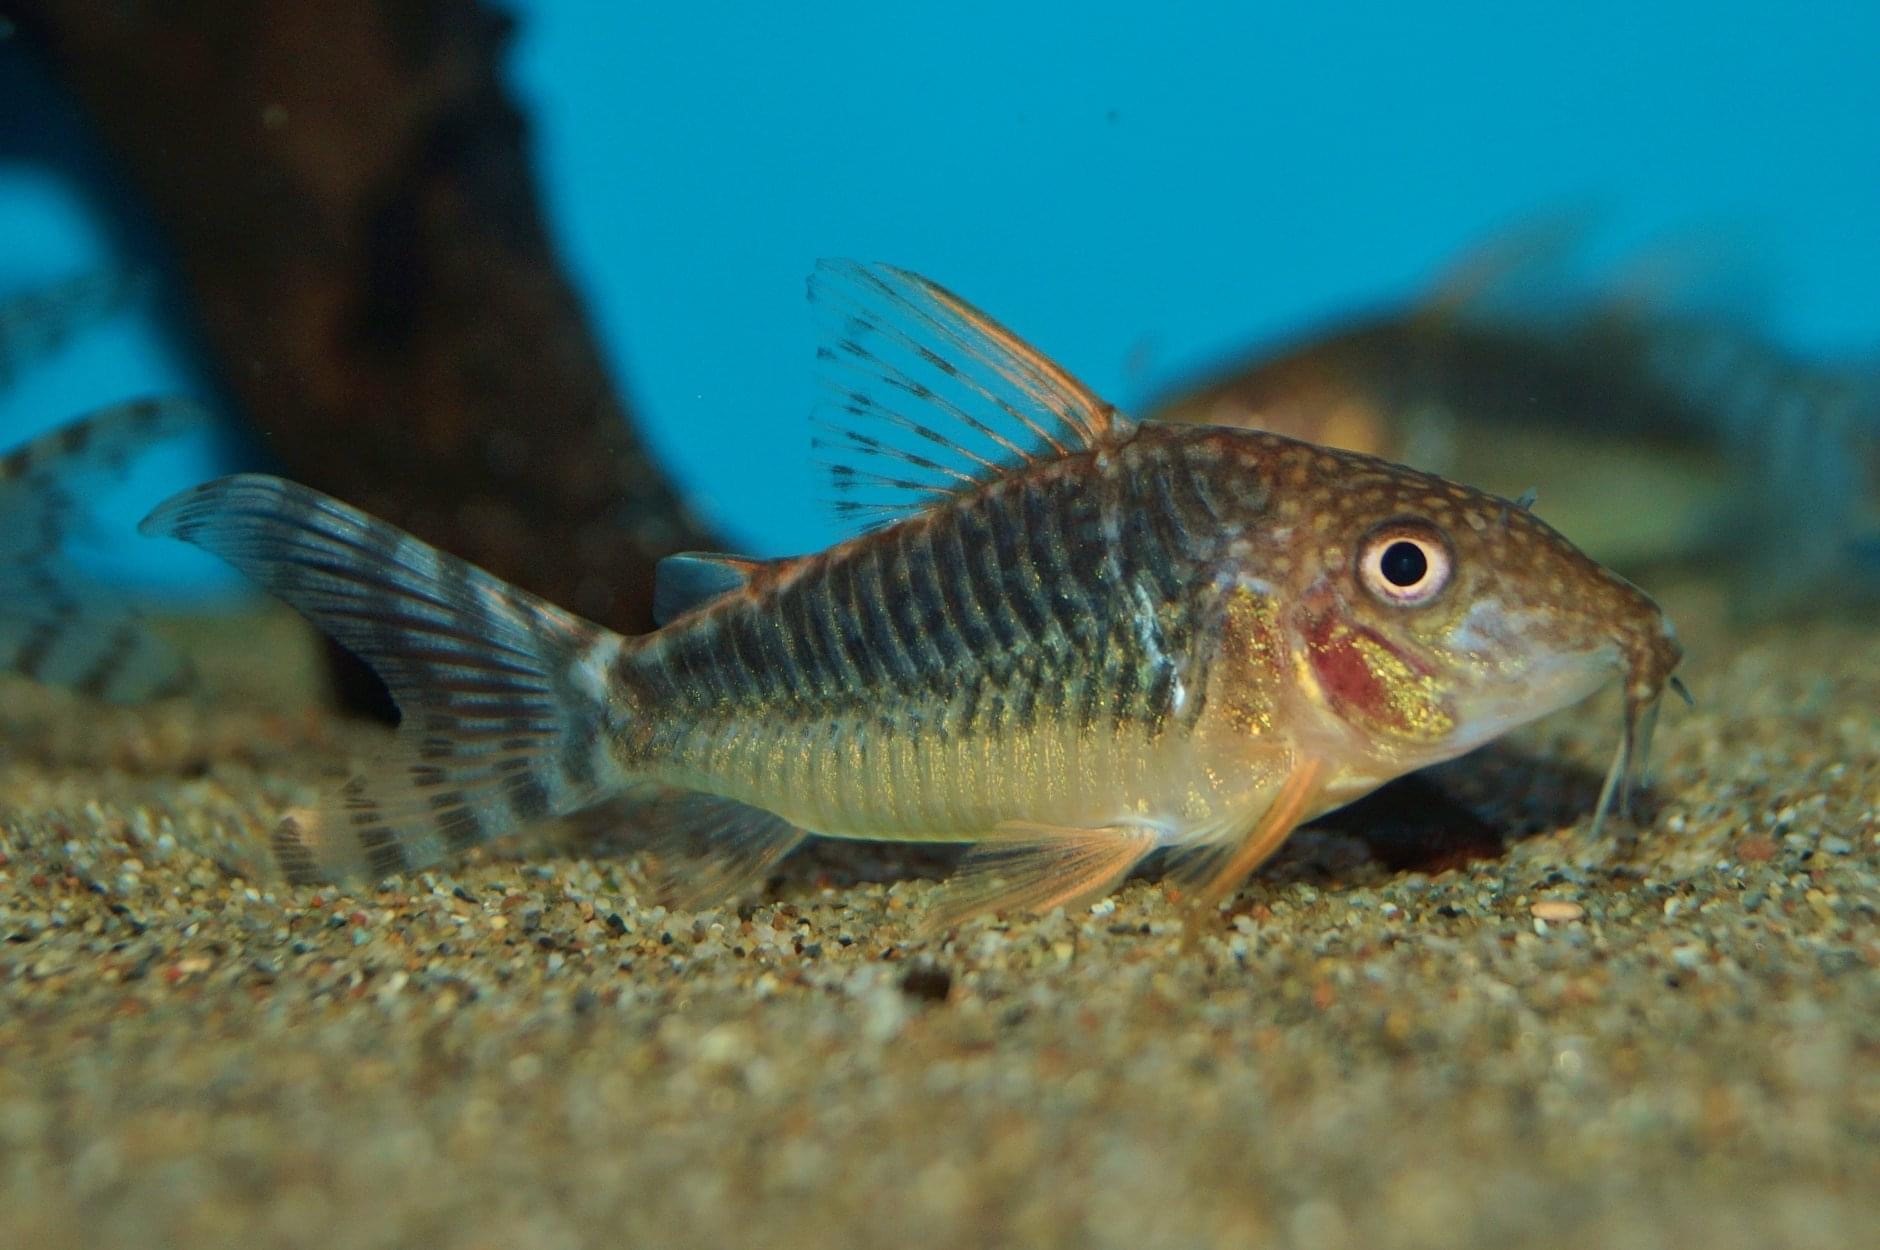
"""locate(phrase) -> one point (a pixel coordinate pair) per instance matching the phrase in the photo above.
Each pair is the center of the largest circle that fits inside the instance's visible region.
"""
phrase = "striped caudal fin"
(507, 716)
(59, 633)
(37, 323)
(55, 628)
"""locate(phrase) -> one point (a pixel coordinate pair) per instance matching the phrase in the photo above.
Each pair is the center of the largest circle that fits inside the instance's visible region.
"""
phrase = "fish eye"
(1405, 563)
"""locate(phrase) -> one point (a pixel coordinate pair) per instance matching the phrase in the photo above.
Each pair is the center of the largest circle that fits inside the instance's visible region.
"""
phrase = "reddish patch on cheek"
(1340, 655)
(1342, 672)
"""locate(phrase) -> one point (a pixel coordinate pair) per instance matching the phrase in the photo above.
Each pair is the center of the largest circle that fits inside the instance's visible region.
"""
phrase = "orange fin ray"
(1208, 874)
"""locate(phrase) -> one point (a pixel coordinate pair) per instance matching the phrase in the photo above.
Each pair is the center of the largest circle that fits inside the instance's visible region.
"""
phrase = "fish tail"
(1807, 444)
(55, 627)
(507, 712)
(37, 323)
(102, 443)
(53, 633)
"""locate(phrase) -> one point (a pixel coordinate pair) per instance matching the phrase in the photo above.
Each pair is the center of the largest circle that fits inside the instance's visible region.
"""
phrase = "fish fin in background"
(692, 579)
(1803, 441)
(44, 483)
(506, 713)
(58, 633)
(1034, 868)
(1516, 270)
(55, 628)
(1533, 276)
(1706, 273)
(1678, 323)
(702, 850)
(35, 324)
(928, 396)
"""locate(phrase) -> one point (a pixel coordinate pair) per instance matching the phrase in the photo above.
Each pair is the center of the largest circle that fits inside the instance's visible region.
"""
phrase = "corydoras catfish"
(1072, 640)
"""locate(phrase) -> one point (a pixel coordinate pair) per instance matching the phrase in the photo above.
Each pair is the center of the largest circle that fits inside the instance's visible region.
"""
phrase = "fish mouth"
(1545, 686)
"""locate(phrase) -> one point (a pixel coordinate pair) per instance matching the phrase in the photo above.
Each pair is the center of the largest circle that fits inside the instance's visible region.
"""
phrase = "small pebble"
(1557, 910)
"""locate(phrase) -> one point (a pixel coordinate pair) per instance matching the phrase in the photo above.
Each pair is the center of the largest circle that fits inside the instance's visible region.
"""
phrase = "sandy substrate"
(1666, 1041)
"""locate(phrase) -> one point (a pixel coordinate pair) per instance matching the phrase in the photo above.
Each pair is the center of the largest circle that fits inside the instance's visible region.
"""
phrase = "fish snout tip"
(1652, 655)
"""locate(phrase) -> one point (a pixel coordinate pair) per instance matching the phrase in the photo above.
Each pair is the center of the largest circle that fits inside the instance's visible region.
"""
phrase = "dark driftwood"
(347, 190)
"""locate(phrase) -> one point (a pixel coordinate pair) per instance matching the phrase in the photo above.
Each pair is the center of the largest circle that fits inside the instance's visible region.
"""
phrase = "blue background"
(1140, 189)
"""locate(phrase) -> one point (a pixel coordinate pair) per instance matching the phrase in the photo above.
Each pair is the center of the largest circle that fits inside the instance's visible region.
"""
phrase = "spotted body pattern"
(55, 628)
(1073, 640)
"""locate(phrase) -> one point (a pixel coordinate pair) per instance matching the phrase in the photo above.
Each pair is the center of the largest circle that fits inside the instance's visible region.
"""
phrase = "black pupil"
(1404, 564)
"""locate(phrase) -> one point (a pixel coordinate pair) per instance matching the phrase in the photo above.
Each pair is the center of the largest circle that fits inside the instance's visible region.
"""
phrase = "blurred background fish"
(1657, 428)
(37, 322)
(59, 624)
(56, 626)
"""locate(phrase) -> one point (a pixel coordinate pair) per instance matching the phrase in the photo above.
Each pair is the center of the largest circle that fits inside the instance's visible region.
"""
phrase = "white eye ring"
(1405, 563)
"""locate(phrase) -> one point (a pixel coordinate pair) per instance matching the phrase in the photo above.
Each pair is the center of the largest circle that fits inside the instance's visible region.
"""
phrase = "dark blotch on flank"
(383, 855)
(528, 798)
(296, 862)
(75, 437)
(460, 825)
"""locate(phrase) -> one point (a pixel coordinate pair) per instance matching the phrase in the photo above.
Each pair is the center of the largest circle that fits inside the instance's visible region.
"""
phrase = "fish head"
(1429, 617)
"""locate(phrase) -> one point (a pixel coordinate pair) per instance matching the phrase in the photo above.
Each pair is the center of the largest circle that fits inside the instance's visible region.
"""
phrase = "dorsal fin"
(1514, 271)
(929, 396)
(692, 579)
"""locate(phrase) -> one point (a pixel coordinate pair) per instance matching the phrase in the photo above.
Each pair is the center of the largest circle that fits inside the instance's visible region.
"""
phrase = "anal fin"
(1034, 868)
(702, 850)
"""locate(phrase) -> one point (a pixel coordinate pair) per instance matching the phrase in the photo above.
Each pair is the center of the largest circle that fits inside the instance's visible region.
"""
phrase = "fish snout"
(1652, 654)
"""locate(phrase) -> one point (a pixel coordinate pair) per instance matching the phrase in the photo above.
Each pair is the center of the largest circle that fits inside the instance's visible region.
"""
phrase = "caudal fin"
(54, 626)
(37, 323)
(507, 715)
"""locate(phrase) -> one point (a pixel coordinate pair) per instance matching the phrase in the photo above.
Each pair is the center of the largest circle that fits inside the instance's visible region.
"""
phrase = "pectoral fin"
(1206, 875)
